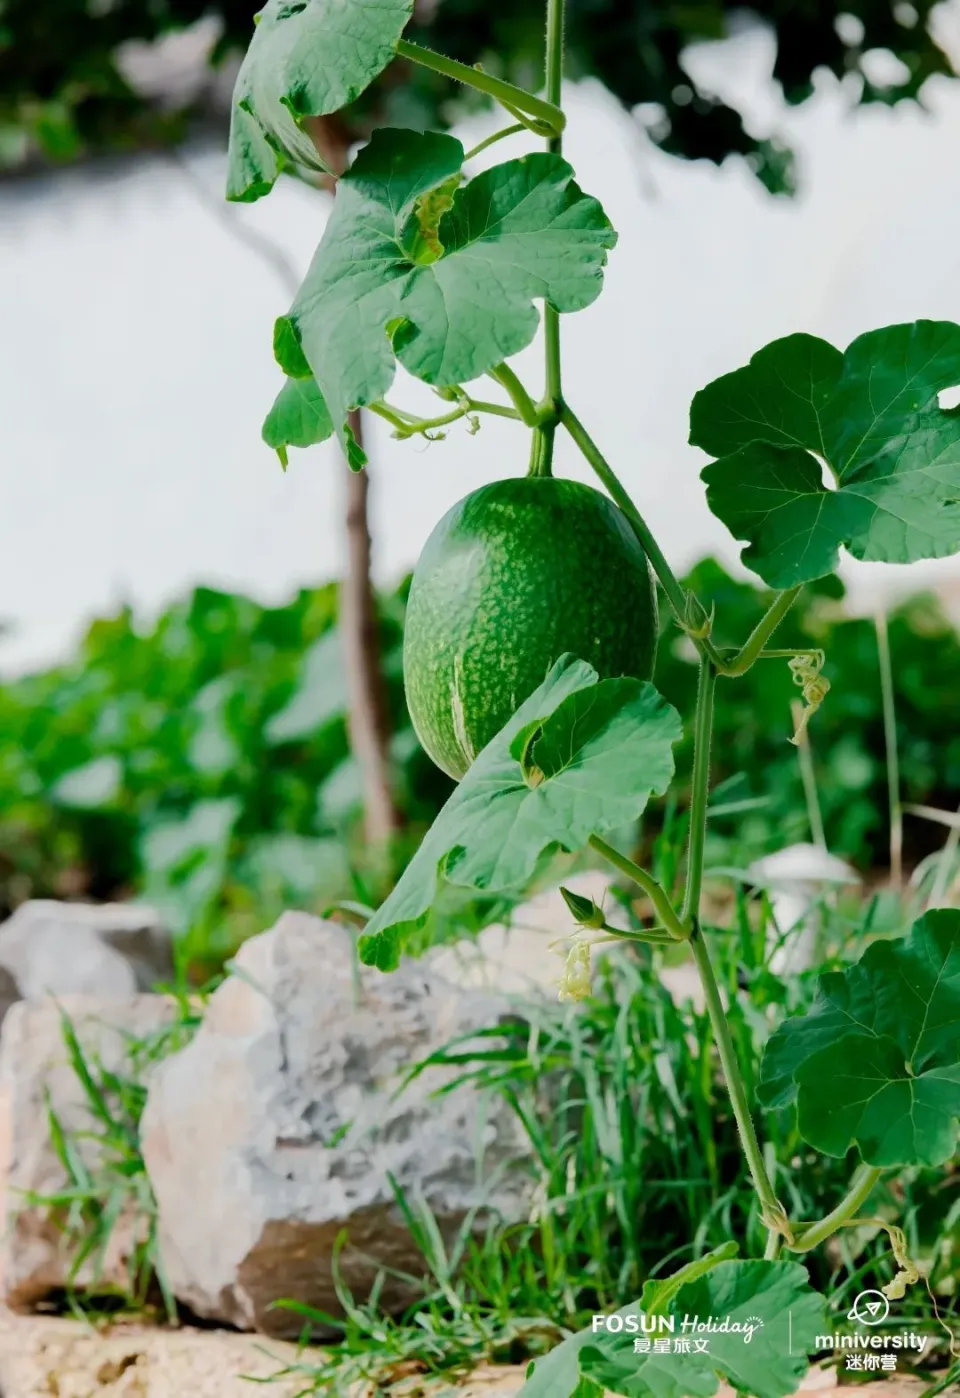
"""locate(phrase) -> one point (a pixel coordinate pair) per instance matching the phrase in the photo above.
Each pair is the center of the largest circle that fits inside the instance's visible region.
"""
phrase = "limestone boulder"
(281, 1126)
(36, 1251)
(109, 950)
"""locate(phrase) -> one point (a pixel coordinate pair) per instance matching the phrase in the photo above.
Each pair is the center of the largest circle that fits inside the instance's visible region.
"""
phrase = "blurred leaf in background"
(78, 77)
(201, 762)
(754, 724)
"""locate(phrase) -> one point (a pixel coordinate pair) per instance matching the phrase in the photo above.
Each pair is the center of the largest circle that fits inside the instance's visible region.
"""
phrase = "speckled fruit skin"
(512, 577)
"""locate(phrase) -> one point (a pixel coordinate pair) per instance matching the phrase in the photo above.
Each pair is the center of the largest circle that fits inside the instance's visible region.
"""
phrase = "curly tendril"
(805, 670)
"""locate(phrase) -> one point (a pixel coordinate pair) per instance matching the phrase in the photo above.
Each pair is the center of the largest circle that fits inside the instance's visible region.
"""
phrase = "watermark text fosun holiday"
(637, 1323)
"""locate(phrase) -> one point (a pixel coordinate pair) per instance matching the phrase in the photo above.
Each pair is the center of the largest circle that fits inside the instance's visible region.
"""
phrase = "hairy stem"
(893, 760)
(553, 75)
(665, 909)
(533, 124)
(668, 580)
(700, 789)
(861, 1187)
(761, 633)
(511, 96)
(773, 1215)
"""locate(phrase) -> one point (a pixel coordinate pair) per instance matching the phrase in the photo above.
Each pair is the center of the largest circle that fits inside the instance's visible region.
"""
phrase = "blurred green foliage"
(64, 93)
(752, 752)
(202, 762)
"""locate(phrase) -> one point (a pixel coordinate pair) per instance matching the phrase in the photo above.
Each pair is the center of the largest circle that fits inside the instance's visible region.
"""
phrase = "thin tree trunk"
(369, 716)
(368, 712)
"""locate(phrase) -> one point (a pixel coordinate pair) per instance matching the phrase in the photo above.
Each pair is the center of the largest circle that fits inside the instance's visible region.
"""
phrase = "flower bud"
(584, 910)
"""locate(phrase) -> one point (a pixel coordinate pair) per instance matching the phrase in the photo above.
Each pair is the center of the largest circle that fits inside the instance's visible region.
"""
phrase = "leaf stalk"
(511, 96)
(761, 633)
(862, 1184)
(407, 425)
(491, 140)
(528, 411)
(700, 790)
(668, 581)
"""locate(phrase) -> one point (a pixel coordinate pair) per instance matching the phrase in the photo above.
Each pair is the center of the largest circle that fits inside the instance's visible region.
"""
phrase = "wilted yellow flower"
(575, 983)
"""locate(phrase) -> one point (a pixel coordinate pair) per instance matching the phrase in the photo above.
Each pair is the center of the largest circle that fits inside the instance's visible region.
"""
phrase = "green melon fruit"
(514, 576)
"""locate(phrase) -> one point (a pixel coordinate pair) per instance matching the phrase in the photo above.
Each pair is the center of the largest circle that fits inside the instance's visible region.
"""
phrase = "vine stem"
(688, 926)
(861, 1187)
(553, 75)
(511, 96)
(700, 789)
(890, 740)
(772, 1211)
(653, 890)
(668, 580)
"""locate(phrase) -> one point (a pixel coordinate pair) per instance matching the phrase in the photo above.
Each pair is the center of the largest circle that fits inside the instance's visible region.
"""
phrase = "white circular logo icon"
(870, 1308)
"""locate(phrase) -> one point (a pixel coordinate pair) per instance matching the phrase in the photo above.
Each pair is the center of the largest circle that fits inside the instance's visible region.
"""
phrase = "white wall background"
(135, 350)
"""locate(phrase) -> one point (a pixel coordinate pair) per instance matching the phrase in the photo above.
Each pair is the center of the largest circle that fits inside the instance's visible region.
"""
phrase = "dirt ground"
(42, 1357)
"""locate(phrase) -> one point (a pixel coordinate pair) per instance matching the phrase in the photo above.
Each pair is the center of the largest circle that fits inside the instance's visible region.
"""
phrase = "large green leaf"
(871, 415)
(581, 757)
(449, 302)
(876, 1061)
(553, 1375)
(771, 1317)
(299, 418)
(305, 59)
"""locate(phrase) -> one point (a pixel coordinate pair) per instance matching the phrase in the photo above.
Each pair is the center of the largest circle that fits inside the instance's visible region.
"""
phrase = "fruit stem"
(545, 435)
(511, 96)
(536, 453)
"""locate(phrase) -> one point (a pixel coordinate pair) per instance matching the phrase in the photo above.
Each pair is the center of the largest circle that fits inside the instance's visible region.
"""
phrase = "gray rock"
(36, 1254)
(9, 995)
(278, 1127)
(112, 949)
